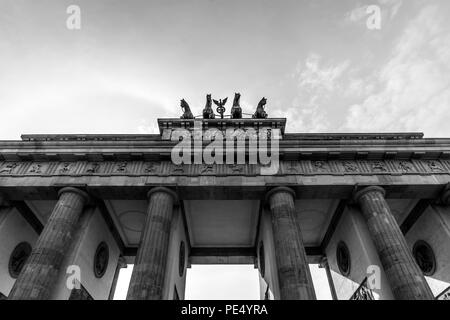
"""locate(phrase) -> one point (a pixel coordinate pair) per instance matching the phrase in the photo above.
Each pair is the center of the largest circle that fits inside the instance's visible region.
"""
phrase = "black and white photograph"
(225, 153)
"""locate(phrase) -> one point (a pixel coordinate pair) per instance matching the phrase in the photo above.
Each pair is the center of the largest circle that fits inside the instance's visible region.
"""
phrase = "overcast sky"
(317, 63)
(132, 61)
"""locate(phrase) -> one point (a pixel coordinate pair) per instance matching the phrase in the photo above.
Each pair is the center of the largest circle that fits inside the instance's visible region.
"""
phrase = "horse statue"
(236, 110)
(208, 112)
(187, 113)
(260, 112)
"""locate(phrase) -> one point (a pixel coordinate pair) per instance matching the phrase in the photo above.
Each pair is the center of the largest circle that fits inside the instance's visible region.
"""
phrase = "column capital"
(359, 193)
(271, 192)
(164, 190)
(83, 194)
(445, 196)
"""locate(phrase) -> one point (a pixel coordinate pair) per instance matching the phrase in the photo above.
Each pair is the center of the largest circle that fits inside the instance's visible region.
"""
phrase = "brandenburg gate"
(372, 209)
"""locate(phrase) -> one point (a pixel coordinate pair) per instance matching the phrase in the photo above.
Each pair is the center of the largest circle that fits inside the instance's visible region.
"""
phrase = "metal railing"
(363, 292)
(444, 295)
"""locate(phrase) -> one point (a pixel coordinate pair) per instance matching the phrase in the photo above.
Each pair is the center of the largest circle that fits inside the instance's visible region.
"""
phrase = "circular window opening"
(101, 259)
(182, 259)
(18, 258)
(262, 261)
(424, 255)
(343, 258)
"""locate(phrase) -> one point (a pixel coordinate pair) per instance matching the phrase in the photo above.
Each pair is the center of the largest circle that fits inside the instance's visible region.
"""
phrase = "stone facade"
(90, 204)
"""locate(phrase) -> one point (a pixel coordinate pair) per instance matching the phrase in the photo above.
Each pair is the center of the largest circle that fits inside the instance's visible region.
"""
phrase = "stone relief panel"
(167, 168)
(9, 168)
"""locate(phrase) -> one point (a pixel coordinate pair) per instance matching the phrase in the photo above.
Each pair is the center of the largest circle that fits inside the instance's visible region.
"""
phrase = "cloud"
(317, 82)
(389, 9)
(392, 5)
(148, 127)
(313, 75)
(356, 14)
(414, 84)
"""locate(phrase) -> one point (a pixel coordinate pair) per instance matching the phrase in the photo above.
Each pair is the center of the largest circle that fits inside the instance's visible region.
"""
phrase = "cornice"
(115, 152)
(158, 147)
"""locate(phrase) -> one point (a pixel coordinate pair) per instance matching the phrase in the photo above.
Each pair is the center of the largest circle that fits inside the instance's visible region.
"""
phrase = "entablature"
(405, 146)
(167, 168)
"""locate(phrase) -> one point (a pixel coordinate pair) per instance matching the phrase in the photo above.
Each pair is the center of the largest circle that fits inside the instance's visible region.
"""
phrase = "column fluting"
(292, 265)
(404, 275)
(149, 270)
(40, 273)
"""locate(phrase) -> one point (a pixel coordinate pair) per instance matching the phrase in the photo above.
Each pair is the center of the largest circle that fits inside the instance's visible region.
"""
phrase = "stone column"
(404, 275)
(5, 208)
(40, 273)
(149, 270)
(3, 202)
(292, 266)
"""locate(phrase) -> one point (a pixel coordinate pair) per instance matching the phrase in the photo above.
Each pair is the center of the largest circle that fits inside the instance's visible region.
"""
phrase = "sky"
(316, 61)
(222, 282)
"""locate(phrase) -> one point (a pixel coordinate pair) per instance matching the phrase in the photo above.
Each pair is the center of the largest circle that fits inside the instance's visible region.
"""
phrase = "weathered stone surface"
(40, 272)
(3, 202)
(123, 167)
(149, 270)
(445, 197)
(292, 266)
(404, 275)
(167, 168)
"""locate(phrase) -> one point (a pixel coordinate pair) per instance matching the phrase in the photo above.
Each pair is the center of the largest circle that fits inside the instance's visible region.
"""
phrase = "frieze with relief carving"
(167, 168)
